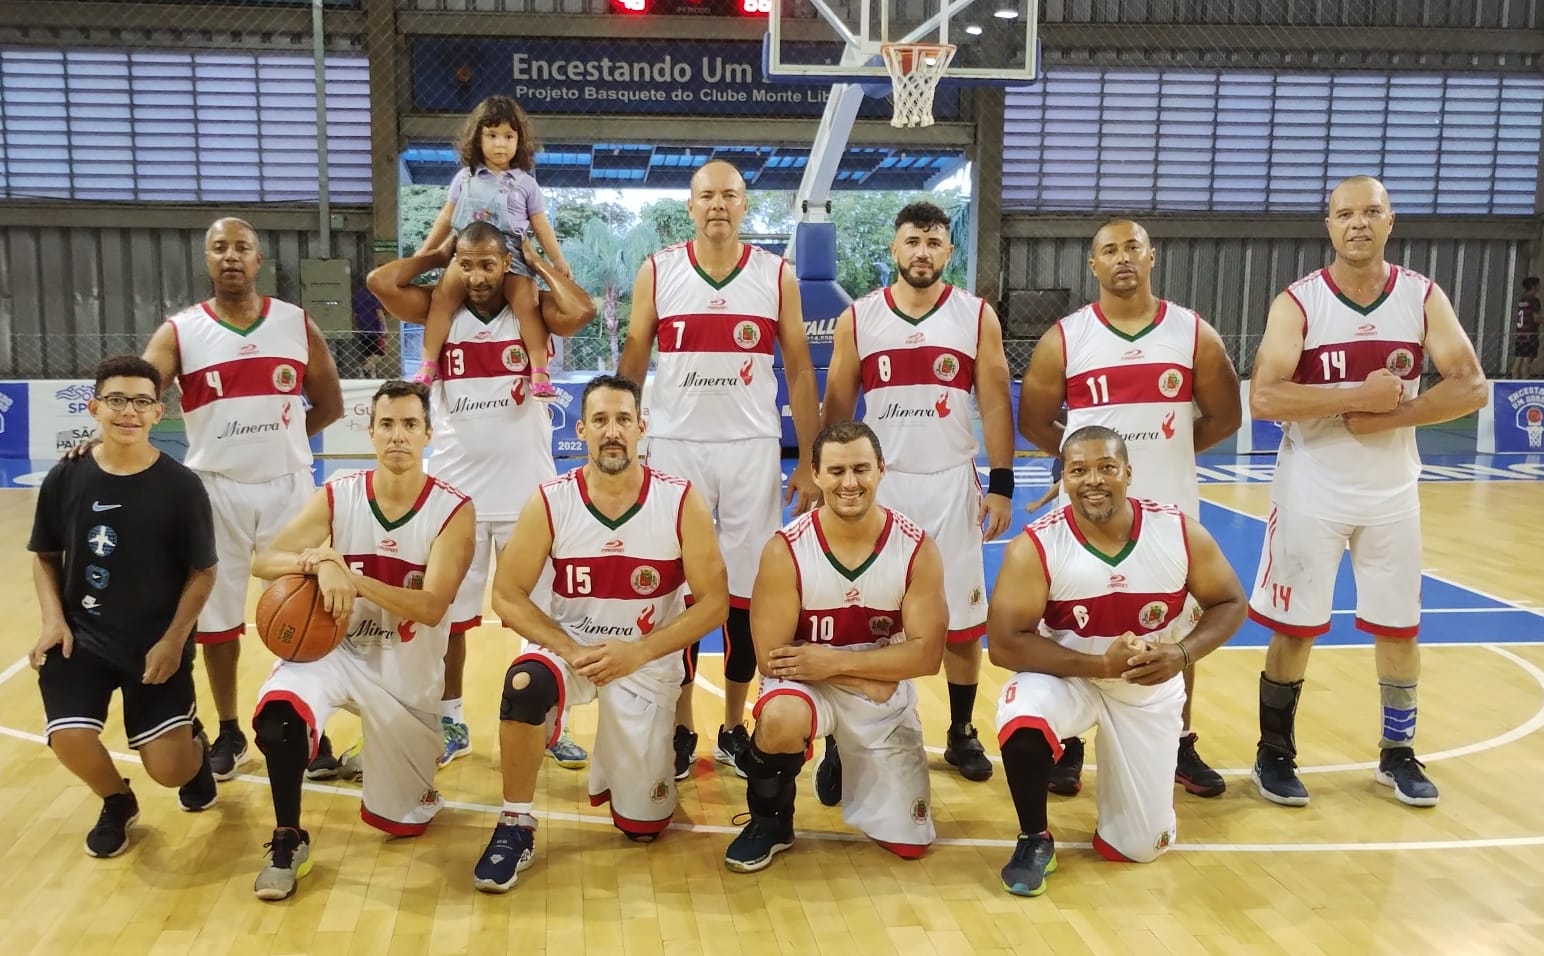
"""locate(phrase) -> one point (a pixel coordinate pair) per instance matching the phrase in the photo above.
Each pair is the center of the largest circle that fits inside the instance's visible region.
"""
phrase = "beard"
(918, 280)
(613, 461)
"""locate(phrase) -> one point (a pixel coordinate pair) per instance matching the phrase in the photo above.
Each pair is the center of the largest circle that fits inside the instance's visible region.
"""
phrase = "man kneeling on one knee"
(1082, 605)
(848, 606)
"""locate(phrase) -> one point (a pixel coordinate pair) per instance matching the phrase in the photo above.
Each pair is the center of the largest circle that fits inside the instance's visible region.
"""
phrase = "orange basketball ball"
(293, 622)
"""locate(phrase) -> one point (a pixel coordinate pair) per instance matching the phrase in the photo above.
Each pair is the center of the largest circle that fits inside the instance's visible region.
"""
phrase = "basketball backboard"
(835, 41)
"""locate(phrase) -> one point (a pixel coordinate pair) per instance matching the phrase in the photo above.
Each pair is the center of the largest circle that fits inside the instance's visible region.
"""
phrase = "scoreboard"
(693, 8)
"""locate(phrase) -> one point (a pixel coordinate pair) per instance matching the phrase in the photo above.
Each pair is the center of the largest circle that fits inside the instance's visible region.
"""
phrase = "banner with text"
(652, 77)
(1513, 421)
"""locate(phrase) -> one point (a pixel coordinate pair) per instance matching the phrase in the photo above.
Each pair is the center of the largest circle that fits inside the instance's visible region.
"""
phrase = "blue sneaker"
(1034, 858)
(568, 754)
(458, 740)
(512, 849)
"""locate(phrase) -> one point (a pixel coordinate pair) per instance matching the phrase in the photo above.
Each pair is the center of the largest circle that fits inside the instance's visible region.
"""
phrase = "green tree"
(865, 227)
(669, 219)
(570, 209)
(605, 264)
(417, 207)
(771, 213)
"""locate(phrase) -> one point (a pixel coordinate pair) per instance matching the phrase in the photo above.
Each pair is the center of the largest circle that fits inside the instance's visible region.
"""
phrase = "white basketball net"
(915, 69)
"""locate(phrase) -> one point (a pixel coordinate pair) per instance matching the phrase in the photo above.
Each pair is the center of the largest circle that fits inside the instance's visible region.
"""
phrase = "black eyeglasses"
(118, 401)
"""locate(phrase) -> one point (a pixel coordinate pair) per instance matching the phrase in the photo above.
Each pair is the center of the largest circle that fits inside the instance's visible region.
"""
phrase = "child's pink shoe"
(541, 385)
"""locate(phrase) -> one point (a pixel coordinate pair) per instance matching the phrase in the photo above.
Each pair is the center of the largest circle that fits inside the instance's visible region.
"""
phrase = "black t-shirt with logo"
(129, 544)
(1525, 319)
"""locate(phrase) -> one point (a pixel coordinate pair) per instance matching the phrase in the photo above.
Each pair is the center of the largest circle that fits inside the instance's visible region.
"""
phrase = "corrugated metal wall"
(74, 293)
(1231, 281)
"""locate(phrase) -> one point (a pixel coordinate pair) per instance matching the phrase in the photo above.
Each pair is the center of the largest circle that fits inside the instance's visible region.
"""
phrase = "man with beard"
(918, 349)
(1083, 601)
(624, 541)
(848, 608)
(1142, 366)
(717, 307)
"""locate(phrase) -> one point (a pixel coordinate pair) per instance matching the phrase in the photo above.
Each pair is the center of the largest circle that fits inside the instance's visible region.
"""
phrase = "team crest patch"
(975, 597)
(946, 367)
(1153, 615)
(645, 580)
(1170, 382)
(1195, 615)
(660, 792)
(414, 581)
(747, 335)
(1401, 362)
(919, 812)
(1164, 841)
(881, 625)
(285, 379)
(430, 798)
(515, 358)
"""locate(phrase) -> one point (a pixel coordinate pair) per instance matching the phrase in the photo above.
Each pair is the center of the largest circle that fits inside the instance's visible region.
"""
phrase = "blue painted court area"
(1451, 615)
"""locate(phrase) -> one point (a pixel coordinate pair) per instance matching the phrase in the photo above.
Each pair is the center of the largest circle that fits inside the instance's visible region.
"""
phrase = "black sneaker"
(731, 743)
(1275, 774)
(685, 751)
(761, 840)
(1398, 768)
(1192, 773)
(828, 776)
(200, 793)
(110, 836)
(324, 766)
(228, 753)
(965, 753)
(1034, 859)
(1067, 772)
(512, 849)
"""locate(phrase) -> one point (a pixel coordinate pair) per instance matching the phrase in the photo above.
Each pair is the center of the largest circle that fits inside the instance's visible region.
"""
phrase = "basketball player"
(242, 361)
(493, 442)
(1083, 611)
(624, 540)
(388, 548)
(123, 545)
(849, 606)
(1142, 366)
(1340, 366)
(717, 307)
(918, 350)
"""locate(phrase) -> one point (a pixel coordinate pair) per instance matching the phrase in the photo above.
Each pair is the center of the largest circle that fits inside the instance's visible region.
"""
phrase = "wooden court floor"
(1355, 872)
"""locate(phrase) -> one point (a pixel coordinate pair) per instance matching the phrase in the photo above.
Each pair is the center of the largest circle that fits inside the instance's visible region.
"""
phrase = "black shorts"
(76, 691)
(1525, 346)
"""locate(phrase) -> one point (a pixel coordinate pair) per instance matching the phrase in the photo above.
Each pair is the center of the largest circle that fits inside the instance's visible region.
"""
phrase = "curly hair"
(491, 112)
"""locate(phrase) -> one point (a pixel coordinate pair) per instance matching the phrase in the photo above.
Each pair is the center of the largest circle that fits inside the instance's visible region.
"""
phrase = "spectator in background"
(1525, 330)
(366, 351)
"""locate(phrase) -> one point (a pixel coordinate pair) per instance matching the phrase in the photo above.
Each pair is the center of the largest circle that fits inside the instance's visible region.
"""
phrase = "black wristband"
(999, 481)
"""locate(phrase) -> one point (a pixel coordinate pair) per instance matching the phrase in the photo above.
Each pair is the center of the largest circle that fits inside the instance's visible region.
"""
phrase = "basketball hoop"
(915, 69)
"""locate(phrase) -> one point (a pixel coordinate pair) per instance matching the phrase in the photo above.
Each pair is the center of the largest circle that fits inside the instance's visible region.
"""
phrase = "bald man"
(1340, 366)
(717, 308)
(257, 381)
(1156, 373)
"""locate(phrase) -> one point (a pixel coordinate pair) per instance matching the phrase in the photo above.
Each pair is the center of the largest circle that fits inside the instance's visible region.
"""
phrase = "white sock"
(517, 810)
(452, 709)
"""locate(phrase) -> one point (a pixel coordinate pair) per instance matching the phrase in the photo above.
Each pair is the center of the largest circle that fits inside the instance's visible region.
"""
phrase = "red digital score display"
(720, 8)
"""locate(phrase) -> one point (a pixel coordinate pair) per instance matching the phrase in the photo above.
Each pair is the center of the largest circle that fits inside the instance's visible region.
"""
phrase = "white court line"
(14, 669)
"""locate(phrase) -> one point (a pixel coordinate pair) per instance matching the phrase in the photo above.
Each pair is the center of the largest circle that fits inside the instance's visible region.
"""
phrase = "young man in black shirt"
(123, 544)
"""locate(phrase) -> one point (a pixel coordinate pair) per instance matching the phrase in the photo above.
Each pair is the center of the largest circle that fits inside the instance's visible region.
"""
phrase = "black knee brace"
(739, 650)
(278, 726)
(531, 703)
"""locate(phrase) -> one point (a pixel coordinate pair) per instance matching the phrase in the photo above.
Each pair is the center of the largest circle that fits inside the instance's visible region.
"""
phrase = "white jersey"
(617, 580)
(241, 392)
(714, 379)
(858, 608)
(1322, 469)
(1095, 598)
(918, 374)
(1141, 386)
(492, 440)
(407, 656)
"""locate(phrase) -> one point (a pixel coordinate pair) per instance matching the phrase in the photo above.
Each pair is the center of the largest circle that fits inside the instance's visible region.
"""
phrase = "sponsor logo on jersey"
(1401, 362)
(1129, 437)
(747, 335)
(718, 302)
(1117, 582)
(483, 335)
(747, 372)
(942, 406)
(946, 367)
(853, 596)
(660, 792)
(916, 338)
(1168, 426)
(515, 358)
(285, 378)
(249, 349)
(1131, 355)
(413, 581)
(1366, 328)
(388, 545)
(517, 391)
(97, 577)
(645, 620)
(1154, 613)
(1170, 382)
(465, 405)
(645, 580)
(236, 428)
(614, 546)
(919, 812)
(693, 380)
(895, 410)
(593, 627)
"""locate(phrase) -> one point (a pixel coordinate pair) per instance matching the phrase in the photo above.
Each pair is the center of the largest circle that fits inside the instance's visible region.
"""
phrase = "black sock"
(962, 704)
(284, 738)
(230, 727)
(1027, 765)
(770, 780)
